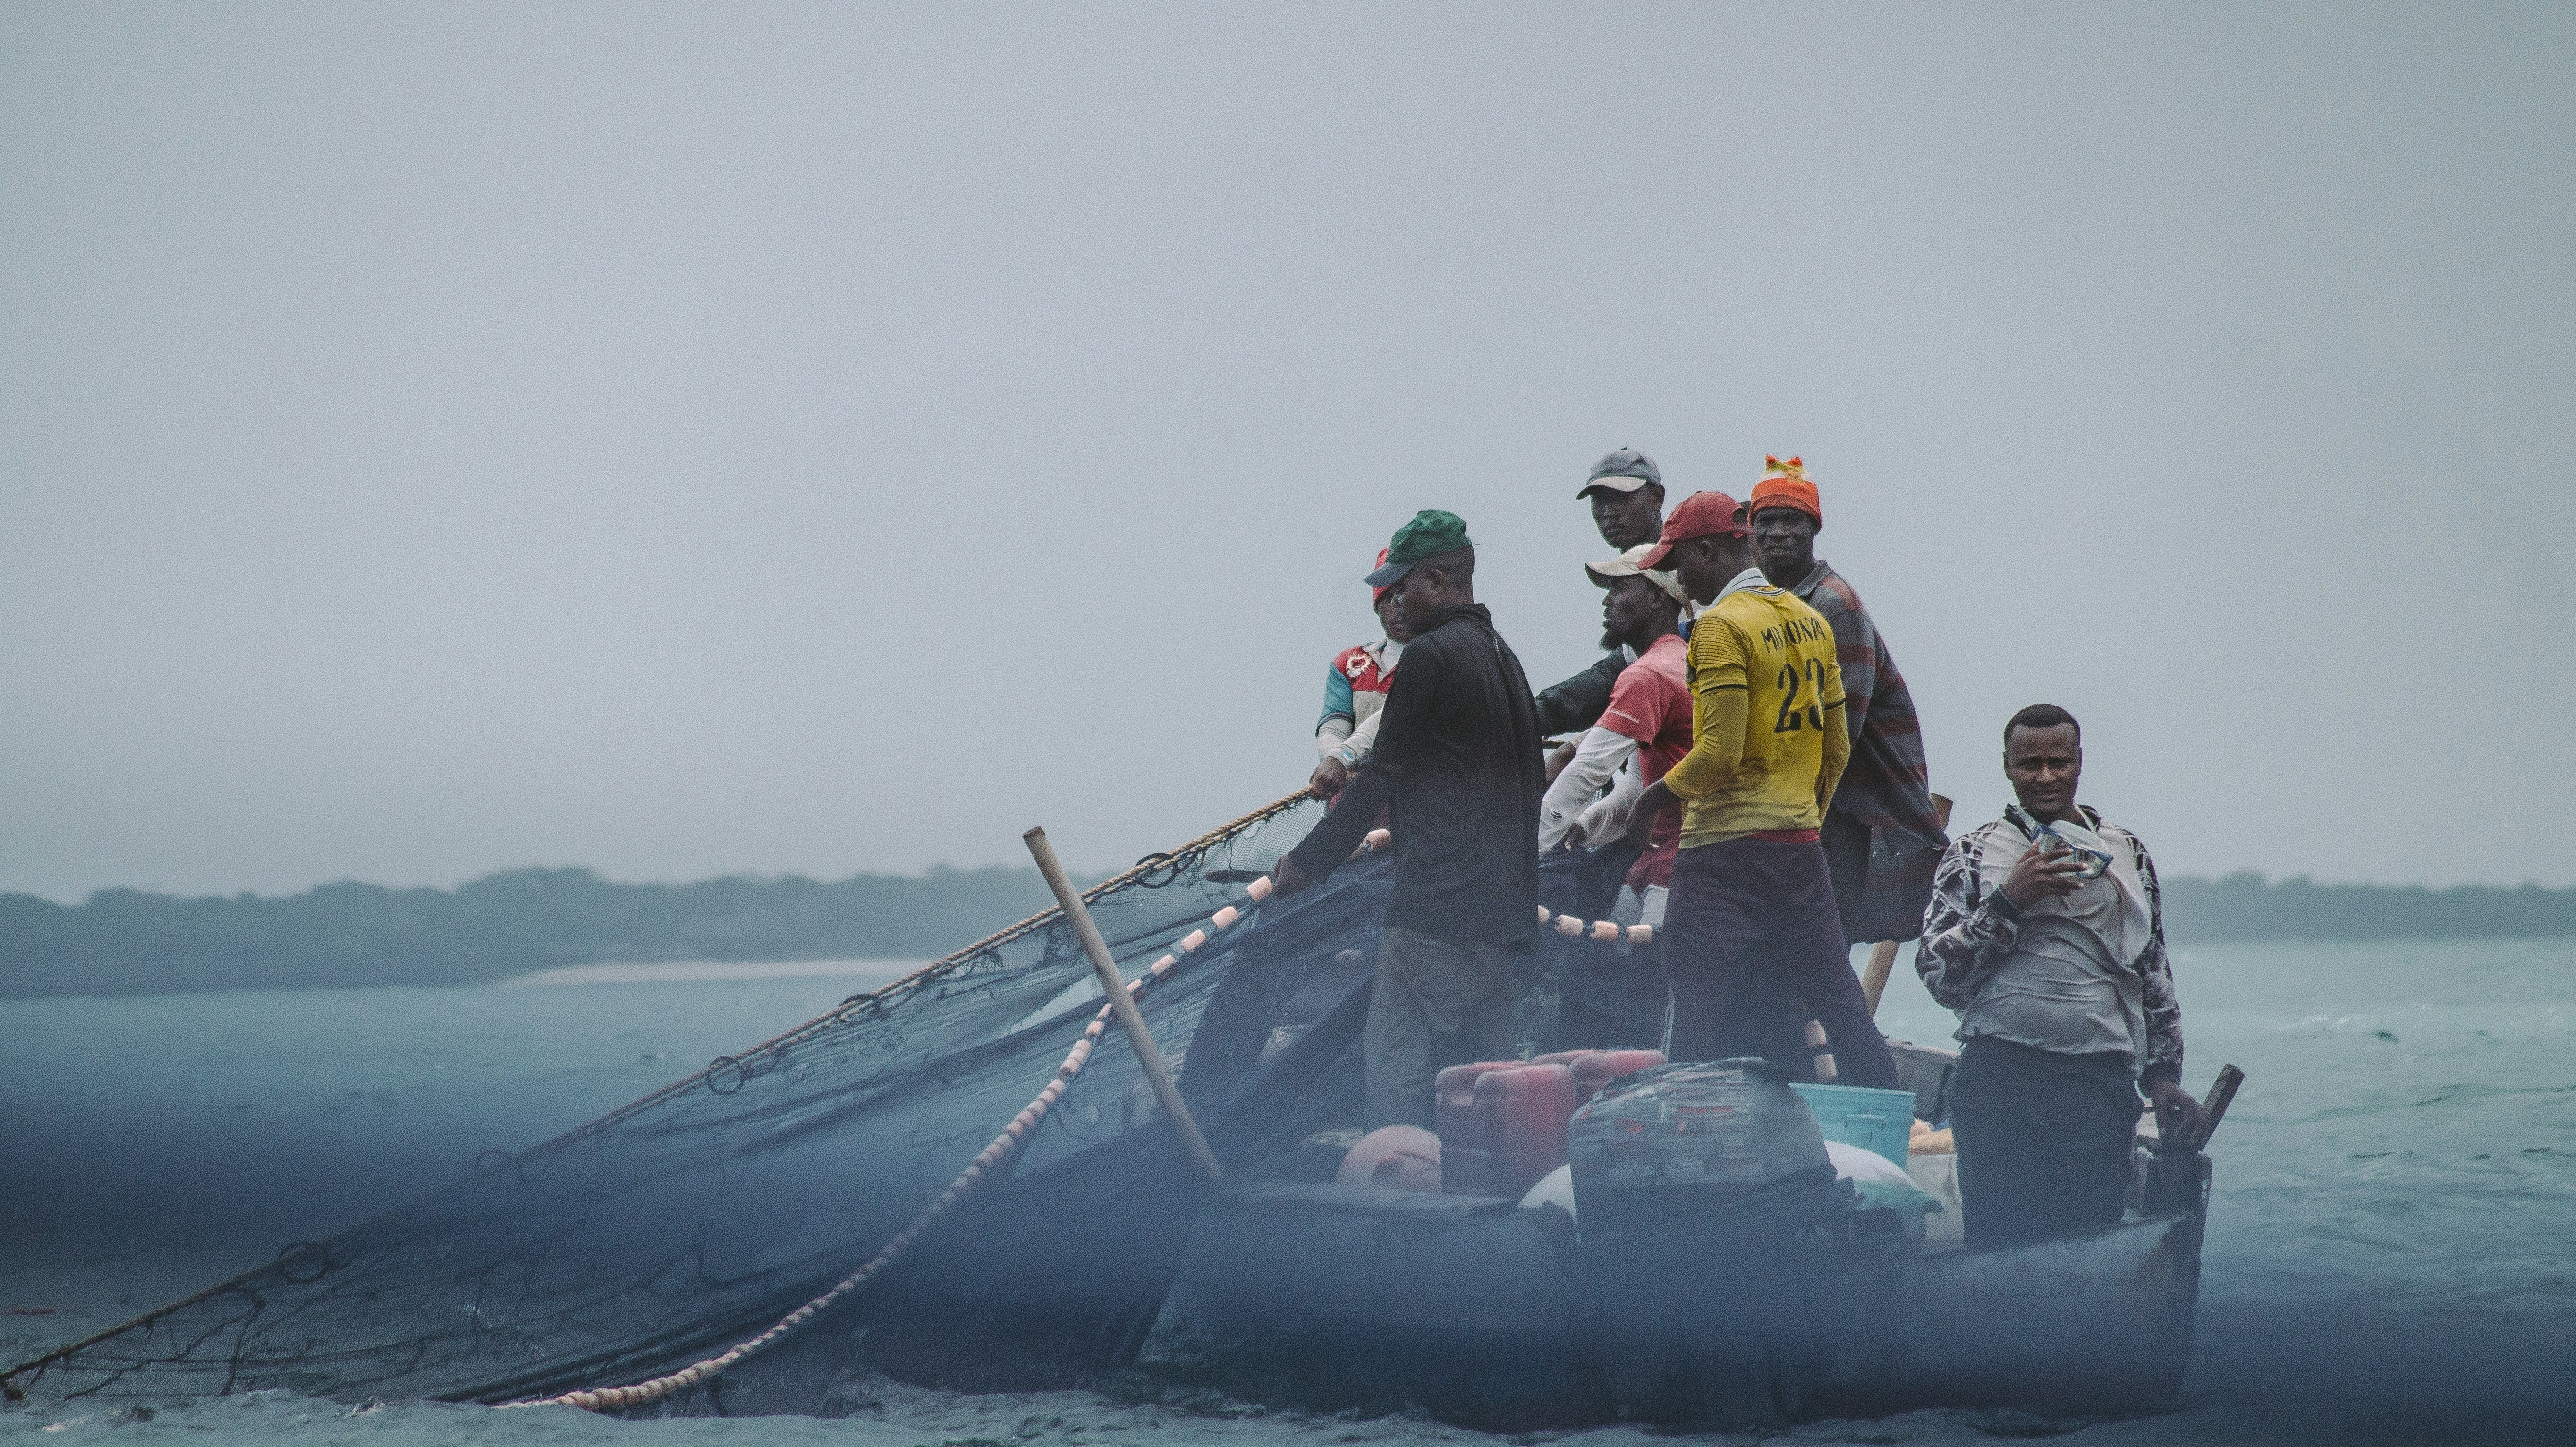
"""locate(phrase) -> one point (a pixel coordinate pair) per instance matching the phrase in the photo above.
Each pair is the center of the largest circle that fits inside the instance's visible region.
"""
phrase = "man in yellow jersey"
(1752, 942)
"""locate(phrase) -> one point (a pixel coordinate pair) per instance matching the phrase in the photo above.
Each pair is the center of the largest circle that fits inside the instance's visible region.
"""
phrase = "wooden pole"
(2214, 1106)
(1122, 1004)
(1873, 976)
(1882, 956)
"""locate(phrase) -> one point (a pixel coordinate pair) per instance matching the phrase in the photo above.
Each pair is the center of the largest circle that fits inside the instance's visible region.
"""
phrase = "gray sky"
(730, 438)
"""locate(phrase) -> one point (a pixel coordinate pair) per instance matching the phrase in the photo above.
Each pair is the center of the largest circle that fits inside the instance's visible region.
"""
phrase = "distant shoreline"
(688, 970)
(519, 923)
(545, 927)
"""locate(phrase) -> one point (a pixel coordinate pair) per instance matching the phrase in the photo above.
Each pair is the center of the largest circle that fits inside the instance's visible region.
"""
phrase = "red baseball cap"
(1700, 515)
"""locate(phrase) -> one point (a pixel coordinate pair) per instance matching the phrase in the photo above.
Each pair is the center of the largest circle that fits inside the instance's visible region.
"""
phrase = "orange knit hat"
(1786, 485)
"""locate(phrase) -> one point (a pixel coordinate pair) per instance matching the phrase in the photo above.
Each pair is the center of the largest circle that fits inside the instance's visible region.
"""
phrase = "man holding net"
(1354, 690)
(1457, 761)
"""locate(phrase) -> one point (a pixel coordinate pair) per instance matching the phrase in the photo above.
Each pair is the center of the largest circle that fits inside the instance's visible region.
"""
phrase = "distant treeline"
(2244, 907)
(124, 942)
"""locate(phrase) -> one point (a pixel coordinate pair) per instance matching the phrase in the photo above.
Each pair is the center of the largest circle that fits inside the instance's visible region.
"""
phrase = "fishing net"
(678, 1224)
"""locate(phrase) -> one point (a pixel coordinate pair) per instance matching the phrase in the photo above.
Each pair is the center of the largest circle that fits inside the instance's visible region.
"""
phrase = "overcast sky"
(708, 439)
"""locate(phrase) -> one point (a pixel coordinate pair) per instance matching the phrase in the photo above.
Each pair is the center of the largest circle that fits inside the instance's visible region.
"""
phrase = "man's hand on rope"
(1329, 778)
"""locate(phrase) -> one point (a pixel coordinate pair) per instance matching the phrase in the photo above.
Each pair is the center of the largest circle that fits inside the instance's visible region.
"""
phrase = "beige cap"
(1626, 566)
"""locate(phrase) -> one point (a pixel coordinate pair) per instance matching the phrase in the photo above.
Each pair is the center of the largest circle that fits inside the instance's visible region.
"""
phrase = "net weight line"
(1611, 932)
(645, 1393)
(1604, 931)
(17, 1378)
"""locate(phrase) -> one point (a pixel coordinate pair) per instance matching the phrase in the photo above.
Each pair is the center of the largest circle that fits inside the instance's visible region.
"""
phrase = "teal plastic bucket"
(1874, 1120)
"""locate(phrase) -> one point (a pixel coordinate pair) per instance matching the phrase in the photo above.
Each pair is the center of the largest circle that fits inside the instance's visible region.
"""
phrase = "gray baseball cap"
(1625, 470)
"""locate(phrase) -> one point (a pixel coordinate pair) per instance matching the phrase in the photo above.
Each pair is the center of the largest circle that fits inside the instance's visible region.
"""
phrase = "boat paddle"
(1115, 987)
(2213, 1108)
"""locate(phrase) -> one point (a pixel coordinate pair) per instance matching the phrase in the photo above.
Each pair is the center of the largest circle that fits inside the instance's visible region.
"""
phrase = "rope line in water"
(1022, 1126)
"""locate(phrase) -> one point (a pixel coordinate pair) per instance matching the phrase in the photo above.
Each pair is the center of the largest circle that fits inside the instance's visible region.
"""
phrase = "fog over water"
(2388, 1258)
(682, 440)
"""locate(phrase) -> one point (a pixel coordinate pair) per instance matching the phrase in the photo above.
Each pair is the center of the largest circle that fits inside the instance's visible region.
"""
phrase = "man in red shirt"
(1645, 729)
(1610, 998)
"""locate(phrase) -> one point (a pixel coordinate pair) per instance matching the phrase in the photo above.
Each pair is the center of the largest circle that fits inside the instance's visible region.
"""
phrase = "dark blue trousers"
(1753, 945)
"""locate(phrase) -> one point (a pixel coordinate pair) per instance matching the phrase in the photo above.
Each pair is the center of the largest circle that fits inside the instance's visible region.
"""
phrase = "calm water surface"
(2392, 1250)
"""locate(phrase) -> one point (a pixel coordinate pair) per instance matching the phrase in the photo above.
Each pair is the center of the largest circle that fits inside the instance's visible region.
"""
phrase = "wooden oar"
(1873, 976)
(1122, 1003)
(2178, 1180)
(1882, 956)
(2213, 1107)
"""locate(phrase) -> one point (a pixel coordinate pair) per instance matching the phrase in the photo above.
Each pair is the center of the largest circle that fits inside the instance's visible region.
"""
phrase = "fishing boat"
(765, 1233)
(1501, 1314)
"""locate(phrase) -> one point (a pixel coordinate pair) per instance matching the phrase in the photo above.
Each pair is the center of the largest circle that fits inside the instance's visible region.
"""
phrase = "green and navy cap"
(1430, 534)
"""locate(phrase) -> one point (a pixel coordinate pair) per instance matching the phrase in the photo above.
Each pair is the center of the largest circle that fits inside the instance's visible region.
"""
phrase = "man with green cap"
(1457, 760)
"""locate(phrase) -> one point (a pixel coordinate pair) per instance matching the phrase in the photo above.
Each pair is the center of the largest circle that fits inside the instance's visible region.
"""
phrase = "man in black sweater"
(1457, 759)
(1626, 493)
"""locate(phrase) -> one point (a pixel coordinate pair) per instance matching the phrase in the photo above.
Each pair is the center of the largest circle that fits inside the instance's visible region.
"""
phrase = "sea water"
(2391, 1253)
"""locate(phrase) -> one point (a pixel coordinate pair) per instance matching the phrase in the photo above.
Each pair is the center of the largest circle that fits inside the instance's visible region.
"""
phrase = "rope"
(838, 1015)
(608, 1399)
(1607, 931)
(1612, 932)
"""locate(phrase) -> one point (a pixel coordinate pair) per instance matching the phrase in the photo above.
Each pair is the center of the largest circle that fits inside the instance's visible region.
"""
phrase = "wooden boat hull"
(1329, 1296)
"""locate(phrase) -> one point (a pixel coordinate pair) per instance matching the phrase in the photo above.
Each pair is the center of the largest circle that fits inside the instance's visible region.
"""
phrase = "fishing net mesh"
(681, 1222)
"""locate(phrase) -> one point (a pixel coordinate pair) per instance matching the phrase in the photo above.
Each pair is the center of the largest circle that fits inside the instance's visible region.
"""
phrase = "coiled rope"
(641, 1394)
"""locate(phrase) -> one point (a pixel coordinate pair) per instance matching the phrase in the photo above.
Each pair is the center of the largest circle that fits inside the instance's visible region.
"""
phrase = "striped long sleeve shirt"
(1886, 784)
(1971, 931)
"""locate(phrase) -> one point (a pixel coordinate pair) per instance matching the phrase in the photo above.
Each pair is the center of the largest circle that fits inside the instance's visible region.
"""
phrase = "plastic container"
(1595, 1069)
(1874, 1120)
(1453, 1092)
(1502, 1125)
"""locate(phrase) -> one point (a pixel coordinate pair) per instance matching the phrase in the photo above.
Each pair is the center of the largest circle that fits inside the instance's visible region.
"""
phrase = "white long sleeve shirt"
(1598, 757)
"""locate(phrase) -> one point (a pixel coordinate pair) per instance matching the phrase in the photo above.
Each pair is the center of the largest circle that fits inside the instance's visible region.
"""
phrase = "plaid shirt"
(1886, 785)
(1970, 929)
